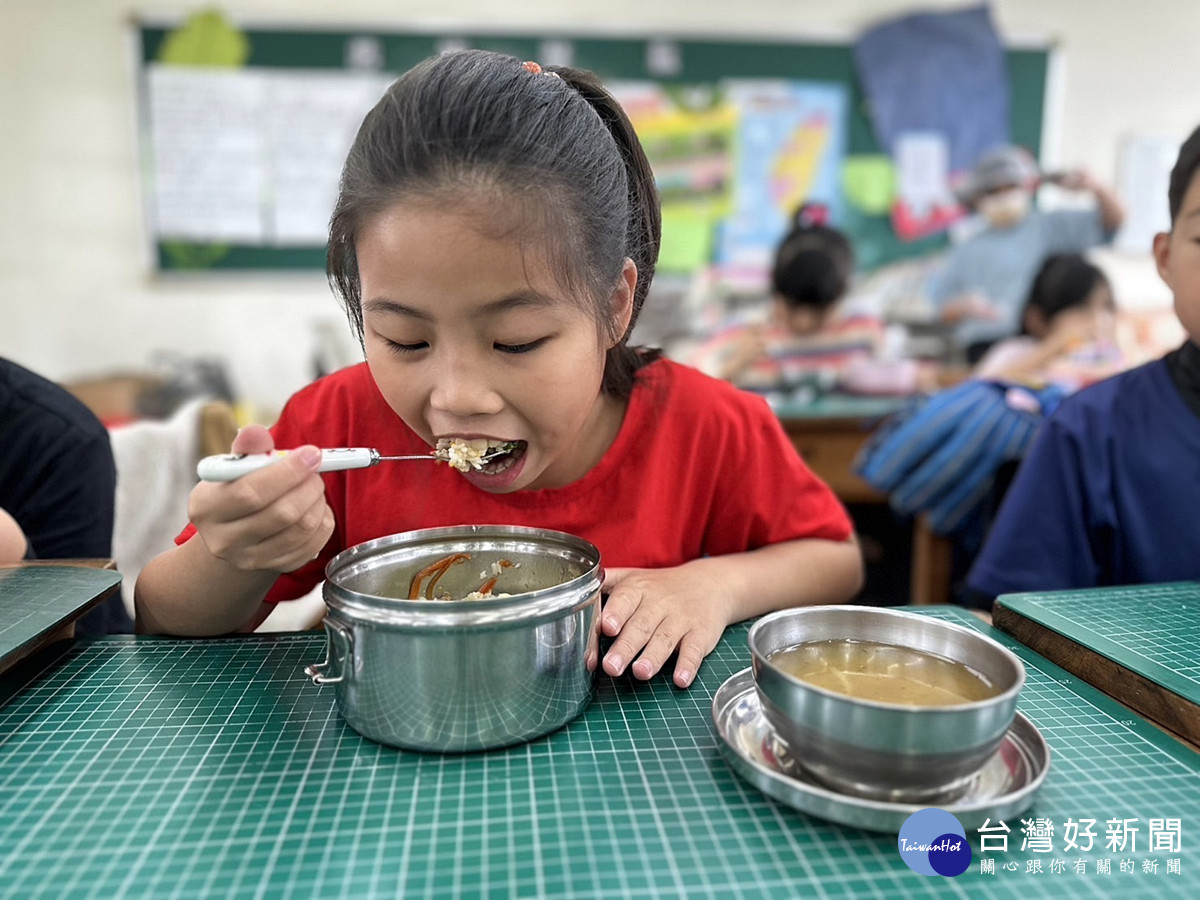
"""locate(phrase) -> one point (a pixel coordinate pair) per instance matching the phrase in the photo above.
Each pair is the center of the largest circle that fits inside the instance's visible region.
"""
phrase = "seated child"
(1108, 493)
(493, 241)
(806, 334)
(57, 483)
(1068, 334)
(985, 280)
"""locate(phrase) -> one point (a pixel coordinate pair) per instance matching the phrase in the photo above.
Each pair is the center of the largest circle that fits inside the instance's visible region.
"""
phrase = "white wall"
(77, 297)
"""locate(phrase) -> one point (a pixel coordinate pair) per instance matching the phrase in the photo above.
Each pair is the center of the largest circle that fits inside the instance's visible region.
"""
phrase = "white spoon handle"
(231, 466)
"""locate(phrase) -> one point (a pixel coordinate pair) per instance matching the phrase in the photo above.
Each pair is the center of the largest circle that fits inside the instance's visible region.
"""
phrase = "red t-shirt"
(698, 468)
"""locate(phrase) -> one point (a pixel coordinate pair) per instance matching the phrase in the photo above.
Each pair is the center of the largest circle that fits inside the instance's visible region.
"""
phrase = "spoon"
(232, 466)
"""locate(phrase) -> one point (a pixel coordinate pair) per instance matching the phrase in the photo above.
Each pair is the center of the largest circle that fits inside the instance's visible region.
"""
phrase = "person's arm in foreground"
(688, 607)
(249, 532)
(13, 543)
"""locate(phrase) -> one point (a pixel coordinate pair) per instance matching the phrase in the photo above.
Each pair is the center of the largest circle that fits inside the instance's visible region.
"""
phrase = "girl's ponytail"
(644, 230)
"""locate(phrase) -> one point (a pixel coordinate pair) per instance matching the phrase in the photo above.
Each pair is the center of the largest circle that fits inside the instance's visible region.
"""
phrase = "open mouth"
(484, 455)
(503, 458)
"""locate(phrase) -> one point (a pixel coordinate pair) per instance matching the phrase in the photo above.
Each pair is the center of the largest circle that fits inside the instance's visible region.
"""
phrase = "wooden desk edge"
(99, 563)
(64, 630)
(1168, 711)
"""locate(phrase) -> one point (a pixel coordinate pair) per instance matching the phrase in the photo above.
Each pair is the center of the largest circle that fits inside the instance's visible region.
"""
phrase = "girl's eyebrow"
(521, 300)
(379, 304)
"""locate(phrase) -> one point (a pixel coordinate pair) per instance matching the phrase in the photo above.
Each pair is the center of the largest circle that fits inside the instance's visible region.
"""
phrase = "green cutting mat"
(215, 768)
(1153, 630)
(34, 600)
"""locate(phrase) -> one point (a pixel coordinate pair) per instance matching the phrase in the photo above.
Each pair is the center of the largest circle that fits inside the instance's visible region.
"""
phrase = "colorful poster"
(790, 148)
(688, 133)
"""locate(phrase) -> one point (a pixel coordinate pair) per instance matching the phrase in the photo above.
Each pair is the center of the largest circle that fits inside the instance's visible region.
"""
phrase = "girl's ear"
(620, 303)
(1162, 255)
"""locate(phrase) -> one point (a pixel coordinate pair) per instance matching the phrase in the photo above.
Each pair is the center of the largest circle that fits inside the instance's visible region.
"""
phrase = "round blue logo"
(933, 842)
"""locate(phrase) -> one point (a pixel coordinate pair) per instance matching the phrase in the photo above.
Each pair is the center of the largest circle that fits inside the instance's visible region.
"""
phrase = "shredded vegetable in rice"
(466, 455)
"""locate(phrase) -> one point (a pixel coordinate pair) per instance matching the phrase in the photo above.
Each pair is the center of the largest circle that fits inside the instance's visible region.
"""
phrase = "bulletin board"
(349, 69)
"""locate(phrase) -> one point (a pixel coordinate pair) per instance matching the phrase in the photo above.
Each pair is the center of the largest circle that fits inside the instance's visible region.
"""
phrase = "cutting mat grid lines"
(1151, 630)
(36, 599)
(215, 768)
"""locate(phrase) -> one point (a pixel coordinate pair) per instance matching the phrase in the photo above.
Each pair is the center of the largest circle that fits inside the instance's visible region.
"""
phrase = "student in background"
(983, 285)
(806, 333)
(493, 241)
(1068, 329)
(57, 483)
(1109, 491)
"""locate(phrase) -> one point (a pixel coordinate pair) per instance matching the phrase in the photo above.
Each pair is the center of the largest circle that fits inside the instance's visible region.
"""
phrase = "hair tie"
(812, 215)
(534, 69)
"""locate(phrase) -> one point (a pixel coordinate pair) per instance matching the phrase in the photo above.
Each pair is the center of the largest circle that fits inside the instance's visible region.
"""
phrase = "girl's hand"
(655, 611)
(1072, 328)
(275, 519)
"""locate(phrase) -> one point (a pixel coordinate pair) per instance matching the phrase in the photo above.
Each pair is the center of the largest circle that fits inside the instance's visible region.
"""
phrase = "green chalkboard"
(701, 60)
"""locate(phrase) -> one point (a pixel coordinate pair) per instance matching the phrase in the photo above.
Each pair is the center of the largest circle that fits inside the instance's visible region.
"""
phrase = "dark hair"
(553, 148)
(1181, 176)
(1064, 281)
(813, 263)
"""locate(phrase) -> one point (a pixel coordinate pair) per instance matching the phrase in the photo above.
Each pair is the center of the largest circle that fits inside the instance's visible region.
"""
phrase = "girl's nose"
(463, 388)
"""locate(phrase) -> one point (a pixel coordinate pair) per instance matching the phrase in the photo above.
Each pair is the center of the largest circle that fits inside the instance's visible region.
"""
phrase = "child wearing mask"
(1107, 494)
(982, 287)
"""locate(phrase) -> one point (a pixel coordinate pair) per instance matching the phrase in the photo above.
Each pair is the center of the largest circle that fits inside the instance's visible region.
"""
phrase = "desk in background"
(828, 433)
(161, 767)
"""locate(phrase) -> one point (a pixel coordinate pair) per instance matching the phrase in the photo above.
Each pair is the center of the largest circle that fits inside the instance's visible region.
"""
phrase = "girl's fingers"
(612, 578)
(635, 634)
(646, 636)
(257, 492)
(620, 604)
(661, 645)
(268, 536)
(296, 546)
(311, 548)
(692, 650)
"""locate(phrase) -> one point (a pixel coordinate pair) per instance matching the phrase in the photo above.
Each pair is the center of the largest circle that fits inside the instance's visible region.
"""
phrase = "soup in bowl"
(883, 703)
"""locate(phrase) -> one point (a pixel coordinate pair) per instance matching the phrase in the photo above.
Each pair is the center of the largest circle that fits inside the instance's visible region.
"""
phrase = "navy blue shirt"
(58, 480)
(1109, 493)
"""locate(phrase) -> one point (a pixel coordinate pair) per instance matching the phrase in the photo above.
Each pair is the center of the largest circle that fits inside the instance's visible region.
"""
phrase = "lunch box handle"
(340, 635)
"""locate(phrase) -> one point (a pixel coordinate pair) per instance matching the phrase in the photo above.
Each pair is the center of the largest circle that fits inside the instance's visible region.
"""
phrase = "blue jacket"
(1108, 494)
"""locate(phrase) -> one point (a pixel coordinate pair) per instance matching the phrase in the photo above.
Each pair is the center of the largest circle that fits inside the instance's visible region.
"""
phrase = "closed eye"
(405, 348)
(520, 348)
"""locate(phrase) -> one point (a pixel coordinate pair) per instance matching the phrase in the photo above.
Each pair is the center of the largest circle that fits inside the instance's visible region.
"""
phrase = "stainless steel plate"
(1002, 789)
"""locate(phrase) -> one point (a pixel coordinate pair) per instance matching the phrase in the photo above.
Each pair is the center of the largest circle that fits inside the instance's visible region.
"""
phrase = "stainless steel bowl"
(456, 675)
(884, 750)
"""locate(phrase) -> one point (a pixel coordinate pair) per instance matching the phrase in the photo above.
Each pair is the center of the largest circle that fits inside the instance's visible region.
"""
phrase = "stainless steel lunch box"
(457, 675)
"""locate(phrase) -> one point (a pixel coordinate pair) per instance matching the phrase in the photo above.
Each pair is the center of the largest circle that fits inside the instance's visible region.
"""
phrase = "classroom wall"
(77, 297)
